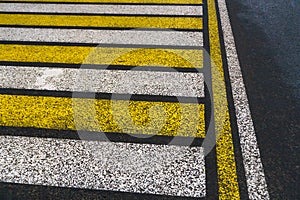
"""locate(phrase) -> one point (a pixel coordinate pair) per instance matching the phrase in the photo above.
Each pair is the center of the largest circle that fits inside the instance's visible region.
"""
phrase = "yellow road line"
(102, 115)
(120, 1)
(226, 166)
(101, 21)
(102, 55)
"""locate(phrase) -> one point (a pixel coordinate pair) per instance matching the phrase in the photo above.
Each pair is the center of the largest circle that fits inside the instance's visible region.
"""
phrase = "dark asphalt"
(267, 34)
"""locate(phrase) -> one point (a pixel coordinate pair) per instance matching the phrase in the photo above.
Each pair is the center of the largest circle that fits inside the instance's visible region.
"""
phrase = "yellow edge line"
(102, 55)
(101, 21)
(120, 1)
(136, 117)
(226, 165)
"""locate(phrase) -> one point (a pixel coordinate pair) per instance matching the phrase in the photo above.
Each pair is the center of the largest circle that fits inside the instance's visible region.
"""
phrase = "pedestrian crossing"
(149, 74)
(108, 81)
(34, 111)
(176, 2)
(128, 168)
(169, 38)
(99, 21)
(108, 56)
(103, 9)
(61, 35)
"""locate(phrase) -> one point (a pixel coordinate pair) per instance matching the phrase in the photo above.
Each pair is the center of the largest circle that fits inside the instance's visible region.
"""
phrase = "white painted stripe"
(126, 167)
(133, 37)
(103, 81)
(102, 9)
(257, 186)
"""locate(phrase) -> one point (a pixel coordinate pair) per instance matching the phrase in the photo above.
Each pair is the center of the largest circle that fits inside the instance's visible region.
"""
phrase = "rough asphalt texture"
(268, 45)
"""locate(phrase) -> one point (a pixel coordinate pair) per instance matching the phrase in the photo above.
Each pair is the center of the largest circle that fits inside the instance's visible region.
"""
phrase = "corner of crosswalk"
(124, 99)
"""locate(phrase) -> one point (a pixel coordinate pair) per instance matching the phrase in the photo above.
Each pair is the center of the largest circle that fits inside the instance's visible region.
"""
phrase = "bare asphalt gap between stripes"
(191, 34)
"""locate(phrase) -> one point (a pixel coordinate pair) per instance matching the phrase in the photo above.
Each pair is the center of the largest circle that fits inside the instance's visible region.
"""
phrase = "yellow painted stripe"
(101, 21)
(226, 166)
(102, 55)
(62, 113)
(120, 1)
(227, 177)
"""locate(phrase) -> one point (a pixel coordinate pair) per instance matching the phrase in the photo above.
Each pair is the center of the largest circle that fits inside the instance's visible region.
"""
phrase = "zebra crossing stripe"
(117, 1)
(125, 37)
(50, 20)
(103, 81)
(190, 58)
(177, 119)
(125, 167)
(102, 9)
(122, 167)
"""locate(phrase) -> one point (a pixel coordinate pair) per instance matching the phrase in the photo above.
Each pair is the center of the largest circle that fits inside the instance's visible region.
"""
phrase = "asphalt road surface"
(153, 99)
(267, 39)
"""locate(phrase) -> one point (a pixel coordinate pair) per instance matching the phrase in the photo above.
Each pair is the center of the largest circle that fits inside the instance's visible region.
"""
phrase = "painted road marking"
(255, 177)
(102, 9)
(126, 167)
(117, 1)
(102, 55)
(226, 166)
(130, 37)
(103, 81)
(33, 111)
(100, 21)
